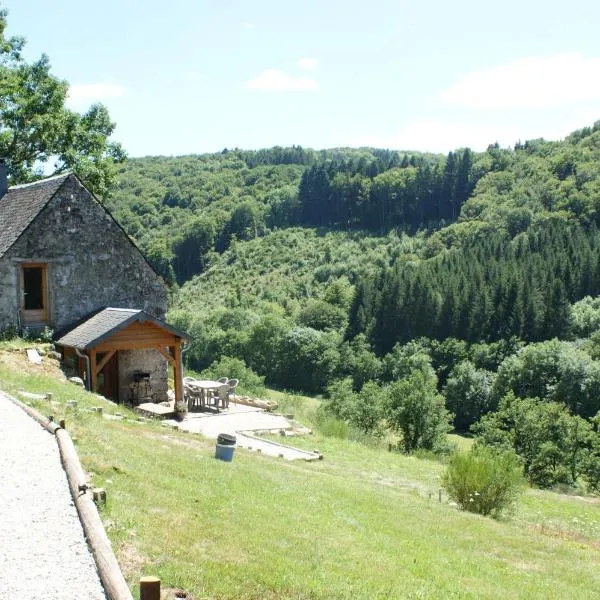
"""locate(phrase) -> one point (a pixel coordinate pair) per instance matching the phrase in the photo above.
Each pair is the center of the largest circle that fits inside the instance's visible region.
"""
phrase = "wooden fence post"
(149, 588)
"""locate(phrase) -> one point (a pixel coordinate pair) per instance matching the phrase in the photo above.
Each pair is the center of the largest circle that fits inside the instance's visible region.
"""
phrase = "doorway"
(34, 294)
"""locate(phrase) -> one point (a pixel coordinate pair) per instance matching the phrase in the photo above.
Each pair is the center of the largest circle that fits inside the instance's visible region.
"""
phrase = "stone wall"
(147, 361)
(9, 294)
(92, 263)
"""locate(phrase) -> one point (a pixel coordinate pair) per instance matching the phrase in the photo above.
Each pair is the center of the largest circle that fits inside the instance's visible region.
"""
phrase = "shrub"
(226, 366)
(46, 334)
(9, 333)
(483, 481)
(331, 426)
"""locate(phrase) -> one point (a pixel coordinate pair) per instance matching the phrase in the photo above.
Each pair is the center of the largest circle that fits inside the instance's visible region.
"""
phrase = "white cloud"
(275, 80)
(248, 25)
(439, 135)
(307, 63)
(88, 93)
(532, 82)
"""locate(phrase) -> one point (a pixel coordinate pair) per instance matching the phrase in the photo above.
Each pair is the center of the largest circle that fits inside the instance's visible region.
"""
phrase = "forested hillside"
(380, 278)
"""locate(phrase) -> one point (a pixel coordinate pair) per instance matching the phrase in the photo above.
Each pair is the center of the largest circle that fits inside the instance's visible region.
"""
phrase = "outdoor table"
(206, 386)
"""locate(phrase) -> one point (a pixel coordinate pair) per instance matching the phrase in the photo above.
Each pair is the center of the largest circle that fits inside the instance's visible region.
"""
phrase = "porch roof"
(108, 322)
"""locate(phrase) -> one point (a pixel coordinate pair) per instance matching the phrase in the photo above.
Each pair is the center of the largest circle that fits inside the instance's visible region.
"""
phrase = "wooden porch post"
(93, 373)
(178, 375)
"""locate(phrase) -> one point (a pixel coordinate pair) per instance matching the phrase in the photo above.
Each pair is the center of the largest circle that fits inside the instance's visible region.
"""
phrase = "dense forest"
(398, 284)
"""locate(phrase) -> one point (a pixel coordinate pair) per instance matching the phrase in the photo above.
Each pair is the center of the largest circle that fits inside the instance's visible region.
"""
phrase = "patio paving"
(243, 421)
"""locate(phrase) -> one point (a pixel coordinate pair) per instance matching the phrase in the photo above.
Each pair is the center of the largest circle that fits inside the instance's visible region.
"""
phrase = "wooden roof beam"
(103, 362)
(166, 354)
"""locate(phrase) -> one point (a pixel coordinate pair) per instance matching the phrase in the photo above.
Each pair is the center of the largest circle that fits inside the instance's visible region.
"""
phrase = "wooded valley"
(354, 272)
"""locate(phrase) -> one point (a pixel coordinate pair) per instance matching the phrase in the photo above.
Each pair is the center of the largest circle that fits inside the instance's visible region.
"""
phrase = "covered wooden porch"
(112, 346)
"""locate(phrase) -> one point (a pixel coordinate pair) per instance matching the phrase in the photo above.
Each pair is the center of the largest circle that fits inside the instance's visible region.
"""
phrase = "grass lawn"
(362, 523)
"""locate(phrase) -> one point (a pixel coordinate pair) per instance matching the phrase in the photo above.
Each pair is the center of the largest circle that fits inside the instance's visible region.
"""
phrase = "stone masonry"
(148, 361)
(91, 262)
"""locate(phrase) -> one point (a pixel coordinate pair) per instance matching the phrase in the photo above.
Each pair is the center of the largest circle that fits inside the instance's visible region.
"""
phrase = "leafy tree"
(368, 410)
(490, 356)
(247, 221)
(404, 359)
(308, 359)
(590, 464)
(445, 355)
(191, 247)
(586, 316)
(160, 256)
(340, 399)
(37, 129)
(468, 394)
(552, 443)
(358, 361)
(265, 339)
(417, 411)
(322, 315)
(363, 410)
(554, 371)
(340, 293)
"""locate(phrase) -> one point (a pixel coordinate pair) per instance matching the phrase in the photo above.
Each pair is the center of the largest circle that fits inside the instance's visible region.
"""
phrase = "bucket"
(223, 452)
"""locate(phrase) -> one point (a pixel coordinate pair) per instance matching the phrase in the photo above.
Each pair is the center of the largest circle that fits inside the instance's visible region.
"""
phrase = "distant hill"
(386, 246)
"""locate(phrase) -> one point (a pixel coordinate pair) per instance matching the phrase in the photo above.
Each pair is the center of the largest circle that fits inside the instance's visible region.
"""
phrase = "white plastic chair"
(232, 383)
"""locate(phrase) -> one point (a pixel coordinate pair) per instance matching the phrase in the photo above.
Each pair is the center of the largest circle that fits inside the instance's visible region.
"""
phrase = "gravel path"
(43, 554)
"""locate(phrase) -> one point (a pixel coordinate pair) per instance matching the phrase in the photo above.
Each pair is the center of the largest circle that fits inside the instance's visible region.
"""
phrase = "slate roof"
(21, 205)
(106, 323)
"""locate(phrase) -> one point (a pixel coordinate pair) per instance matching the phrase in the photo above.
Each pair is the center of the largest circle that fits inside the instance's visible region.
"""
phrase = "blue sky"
(189, 76)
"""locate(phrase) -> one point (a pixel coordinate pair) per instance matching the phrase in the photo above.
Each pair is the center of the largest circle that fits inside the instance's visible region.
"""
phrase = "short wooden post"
(63, 424)
(149, 588)
(99, 495)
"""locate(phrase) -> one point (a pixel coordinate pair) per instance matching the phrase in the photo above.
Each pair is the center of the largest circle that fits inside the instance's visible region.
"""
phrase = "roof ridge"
(37, 182)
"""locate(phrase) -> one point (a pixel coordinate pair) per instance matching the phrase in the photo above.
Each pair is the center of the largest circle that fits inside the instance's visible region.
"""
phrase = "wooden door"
(107, 382)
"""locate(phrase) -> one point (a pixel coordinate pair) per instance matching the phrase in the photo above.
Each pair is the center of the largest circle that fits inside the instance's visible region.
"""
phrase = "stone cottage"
(63, 259)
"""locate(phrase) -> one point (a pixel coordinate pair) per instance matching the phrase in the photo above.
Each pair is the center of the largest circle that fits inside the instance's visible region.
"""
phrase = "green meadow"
(361, 523)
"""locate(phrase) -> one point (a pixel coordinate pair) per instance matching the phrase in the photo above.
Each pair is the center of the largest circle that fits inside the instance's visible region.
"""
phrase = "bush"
(9, 333)
(46, 334)
(331, 426)
(483, 481)
(226, 366)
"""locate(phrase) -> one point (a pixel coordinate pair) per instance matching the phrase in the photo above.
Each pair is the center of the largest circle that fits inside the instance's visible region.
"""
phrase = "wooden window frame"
(38, 316)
